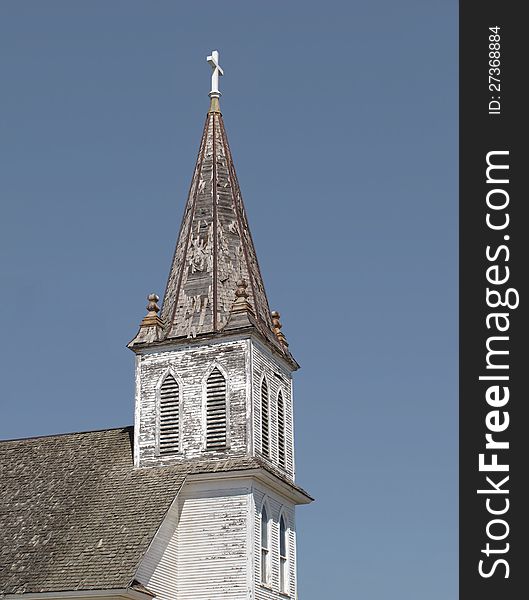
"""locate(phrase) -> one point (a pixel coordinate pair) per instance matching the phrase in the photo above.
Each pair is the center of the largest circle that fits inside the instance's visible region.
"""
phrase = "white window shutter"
(169, 416)
(265, 419)
(216, 410)
(281, 432)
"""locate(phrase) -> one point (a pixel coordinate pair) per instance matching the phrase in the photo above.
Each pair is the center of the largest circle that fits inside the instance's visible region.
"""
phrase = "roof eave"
(292, 491)
(126, 593)
(140, 348)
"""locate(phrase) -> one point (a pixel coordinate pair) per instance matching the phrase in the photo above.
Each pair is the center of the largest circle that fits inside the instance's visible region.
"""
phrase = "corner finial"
(276, 326)
(214, 94)
(241, 292)
(151, 319)
(151, 327)
(153, 307)
(241, 312)
(241, 303)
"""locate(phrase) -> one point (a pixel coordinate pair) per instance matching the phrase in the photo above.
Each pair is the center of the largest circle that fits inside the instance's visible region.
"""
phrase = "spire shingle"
(214, 250)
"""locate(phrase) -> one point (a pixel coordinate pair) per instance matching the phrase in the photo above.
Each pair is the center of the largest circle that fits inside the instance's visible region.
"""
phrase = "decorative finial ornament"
(241, 303)
(153, 307)
(241, 292)
(276, 323)
(151, 327)
(241, 312)
(214, 94)
(151, 319)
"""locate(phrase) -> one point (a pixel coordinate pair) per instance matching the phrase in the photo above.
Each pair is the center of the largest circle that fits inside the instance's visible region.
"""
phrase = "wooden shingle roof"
(214, 252)
(214, 248)
(74, 514)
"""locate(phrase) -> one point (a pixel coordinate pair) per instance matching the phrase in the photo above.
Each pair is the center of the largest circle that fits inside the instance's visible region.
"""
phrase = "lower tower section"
(229, 536)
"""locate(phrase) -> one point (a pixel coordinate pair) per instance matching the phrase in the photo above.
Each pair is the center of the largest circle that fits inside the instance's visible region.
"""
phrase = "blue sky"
(342, 118)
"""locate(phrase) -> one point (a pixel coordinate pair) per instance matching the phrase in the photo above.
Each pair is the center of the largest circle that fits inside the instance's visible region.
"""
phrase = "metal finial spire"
(214, 94)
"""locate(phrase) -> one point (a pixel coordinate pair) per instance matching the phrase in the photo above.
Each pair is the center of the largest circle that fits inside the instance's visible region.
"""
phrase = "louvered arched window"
(169, 416)
(265, 546)
(265, 419)
(216, 410)
(281, 431)
(283, 555)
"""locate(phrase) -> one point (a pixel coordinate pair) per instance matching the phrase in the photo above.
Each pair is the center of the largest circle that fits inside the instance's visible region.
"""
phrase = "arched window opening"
(281, 432)
(265, 419)
(265, 546)
(216, 410)
(283, 555)
(169, 416)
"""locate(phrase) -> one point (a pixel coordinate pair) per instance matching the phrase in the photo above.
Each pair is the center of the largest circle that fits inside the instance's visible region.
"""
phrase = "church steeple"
(214, 396)
(214, 250)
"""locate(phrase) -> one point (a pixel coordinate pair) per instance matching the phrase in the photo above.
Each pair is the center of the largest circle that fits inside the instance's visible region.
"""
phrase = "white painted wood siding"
(278, 378)
(191, 365)
(213, 549)
(208, 546)
(158, 568)
(277, 506)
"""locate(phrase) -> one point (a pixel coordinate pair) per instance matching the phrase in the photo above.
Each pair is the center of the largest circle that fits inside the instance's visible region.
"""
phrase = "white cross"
(213, 60)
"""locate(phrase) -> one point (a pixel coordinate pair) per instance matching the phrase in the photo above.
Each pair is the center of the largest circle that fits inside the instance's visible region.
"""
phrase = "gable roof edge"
(172, 506)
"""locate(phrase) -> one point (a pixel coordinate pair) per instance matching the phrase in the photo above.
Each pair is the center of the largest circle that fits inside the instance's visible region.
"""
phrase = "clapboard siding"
(208, 546)
(213, 544)
(244, 370)
(158, 568)
(265, 364)
(191, 365)
(277, 506)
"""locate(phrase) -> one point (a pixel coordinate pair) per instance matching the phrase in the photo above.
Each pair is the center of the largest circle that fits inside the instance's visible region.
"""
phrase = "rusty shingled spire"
(214, 250)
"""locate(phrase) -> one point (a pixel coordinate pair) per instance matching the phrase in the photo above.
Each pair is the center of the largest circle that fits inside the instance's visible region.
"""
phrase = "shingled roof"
(76, 515)
(214, 248)
(214, 251)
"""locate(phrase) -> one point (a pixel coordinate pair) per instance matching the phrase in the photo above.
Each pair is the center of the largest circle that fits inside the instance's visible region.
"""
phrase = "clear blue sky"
(342, 117)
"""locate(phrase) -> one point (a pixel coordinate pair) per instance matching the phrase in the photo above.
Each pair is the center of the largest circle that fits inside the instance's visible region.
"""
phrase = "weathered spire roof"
(215, 250)
(214, 285)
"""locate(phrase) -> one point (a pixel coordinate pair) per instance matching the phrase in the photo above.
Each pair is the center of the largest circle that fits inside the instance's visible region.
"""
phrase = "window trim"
(267, 580)
(281, 393)
(158, 395)
(264, 380)
(285, 588)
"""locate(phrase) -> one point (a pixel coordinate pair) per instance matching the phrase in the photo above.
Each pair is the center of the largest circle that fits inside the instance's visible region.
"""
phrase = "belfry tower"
(214, 397)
